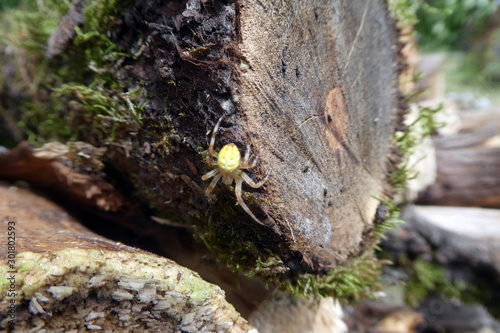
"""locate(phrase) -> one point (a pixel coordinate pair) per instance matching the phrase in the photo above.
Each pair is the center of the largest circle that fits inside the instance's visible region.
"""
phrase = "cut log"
(64, 277)
(467, 169)
(311, 87)
(319, 102)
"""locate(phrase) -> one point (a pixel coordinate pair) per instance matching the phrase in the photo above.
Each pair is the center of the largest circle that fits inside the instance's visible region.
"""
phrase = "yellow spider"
(229, 167)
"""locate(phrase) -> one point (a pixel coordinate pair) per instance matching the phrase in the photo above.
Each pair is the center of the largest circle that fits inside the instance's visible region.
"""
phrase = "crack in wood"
(356, 37)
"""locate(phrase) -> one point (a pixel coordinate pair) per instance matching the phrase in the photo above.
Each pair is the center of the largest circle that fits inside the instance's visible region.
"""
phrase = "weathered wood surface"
(466, 177)
(69, 278)
(468, 172)
(310, 86)
(319, 93)
(73, 172)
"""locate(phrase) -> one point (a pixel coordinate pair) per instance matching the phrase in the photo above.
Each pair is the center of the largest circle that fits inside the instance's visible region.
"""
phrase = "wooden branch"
(71, 171)
(455, 236)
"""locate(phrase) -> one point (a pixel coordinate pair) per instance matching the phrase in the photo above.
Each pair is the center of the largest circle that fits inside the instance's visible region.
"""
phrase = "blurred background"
(446, 272)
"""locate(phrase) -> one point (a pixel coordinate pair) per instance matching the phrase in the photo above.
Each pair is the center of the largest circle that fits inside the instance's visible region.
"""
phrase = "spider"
(229, 167)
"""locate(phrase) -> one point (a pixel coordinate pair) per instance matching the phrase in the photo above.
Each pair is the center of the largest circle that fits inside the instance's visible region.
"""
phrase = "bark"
(73, 172)
(69, 278)
(311, 87)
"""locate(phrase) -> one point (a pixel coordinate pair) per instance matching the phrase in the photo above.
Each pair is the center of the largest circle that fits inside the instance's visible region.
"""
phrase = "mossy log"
(311, 87)
(64, 277)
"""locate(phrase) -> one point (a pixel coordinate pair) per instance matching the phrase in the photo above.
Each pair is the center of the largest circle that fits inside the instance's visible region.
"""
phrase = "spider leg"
(245, 161)
(239, 183)
(210, 174)
(212, 185)
(254, 163)
(212, 141)
(250, 182)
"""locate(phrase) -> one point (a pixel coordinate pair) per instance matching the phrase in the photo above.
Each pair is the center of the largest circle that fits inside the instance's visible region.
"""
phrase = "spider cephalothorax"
(229, 167)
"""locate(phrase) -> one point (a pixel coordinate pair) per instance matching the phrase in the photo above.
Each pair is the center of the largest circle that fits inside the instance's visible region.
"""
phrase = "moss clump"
(429, 279)
(409, 138)
(350, 282)
(236, 251)
(64, 96)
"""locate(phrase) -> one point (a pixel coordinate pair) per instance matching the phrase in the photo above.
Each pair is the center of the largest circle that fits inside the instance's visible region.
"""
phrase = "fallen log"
(59, 276)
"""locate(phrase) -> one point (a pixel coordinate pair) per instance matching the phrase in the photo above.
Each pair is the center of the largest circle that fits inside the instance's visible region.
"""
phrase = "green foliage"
(467, 26)
(452, 24)
(9, 4)
(28, 28)
(457, 25)
(404, 11)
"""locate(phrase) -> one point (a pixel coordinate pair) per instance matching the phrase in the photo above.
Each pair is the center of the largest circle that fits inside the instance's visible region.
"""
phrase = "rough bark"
(68, 278)
(73, 172)
(311, 87)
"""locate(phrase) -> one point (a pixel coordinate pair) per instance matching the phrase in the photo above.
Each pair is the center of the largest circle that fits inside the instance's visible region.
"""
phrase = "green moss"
(409, 138)
(429, 279)
(350, 282)
(236, 250)
(65, 96)
(404, 11)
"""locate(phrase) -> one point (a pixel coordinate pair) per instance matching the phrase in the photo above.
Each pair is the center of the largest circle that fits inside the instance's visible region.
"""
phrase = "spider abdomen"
(229, 158)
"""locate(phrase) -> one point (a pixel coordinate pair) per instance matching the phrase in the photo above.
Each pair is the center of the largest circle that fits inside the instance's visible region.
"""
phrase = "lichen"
(149, 286)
